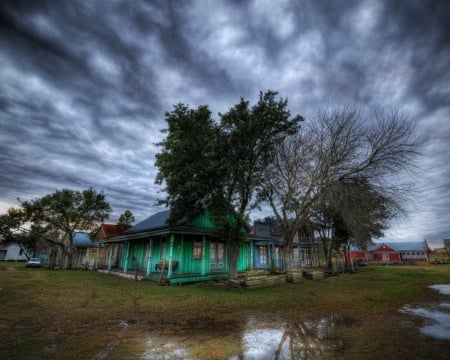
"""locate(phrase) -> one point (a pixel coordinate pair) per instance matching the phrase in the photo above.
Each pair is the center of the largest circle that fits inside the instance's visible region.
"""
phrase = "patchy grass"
(87, 315)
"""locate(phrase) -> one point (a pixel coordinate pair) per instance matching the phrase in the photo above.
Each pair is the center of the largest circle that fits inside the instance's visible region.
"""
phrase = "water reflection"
(263, 339)
(157, 350)
(295, 340)
(442, 288)
(437, 314)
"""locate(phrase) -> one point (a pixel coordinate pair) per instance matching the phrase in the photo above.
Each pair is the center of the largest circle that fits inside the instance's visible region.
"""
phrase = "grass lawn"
(88, 315)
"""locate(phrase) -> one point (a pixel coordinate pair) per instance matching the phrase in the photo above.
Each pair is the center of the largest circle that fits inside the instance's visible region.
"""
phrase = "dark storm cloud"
(84, 85)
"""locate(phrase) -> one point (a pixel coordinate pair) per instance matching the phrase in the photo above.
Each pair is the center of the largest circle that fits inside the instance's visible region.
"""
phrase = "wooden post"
(110, 257)
(251, 255)
(135, 266)
(169, 271)
(97, 257)
(269, 256)
(203, 255)
(125, 264)
(149, 259)
(300, 257)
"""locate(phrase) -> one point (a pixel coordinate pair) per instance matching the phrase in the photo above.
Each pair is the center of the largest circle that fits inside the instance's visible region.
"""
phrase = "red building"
(393, 253)
(384, 254)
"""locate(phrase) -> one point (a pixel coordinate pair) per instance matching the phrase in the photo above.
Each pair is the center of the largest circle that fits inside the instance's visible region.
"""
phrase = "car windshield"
(35, 259)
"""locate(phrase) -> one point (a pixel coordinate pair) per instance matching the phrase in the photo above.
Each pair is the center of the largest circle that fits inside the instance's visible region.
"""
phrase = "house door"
(217, 256)
(261, 256)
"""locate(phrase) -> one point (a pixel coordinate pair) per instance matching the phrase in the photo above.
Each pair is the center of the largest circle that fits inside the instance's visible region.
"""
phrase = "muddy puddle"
(437, 316)
(259, 339)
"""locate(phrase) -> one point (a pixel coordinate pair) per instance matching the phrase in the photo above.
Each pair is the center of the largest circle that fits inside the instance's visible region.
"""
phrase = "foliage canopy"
(56, 216)
(219, 165)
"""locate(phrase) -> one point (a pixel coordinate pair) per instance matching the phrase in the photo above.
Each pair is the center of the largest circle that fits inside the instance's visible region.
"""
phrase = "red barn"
(358, 254)
(399, 252)
(382, 253)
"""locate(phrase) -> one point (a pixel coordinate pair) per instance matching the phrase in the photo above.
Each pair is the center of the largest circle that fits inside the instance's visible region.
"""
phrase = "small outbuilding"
(11, 251)
(398, 252)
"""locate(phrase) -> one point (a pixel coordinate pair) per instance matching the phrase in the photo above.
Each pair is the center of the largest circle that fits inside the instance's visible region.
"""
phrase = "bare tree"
(338, 147)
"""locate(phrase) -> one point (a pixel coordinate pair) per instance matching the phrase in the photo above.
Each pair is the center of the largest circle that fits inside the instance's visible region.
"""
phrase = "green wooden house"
(190, 251)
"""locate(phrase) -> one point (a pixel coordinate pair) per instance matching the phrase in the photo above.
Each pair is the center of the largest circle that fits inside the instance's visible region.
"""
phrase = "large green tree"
(219, 165)
(188, 163)
(58, 216)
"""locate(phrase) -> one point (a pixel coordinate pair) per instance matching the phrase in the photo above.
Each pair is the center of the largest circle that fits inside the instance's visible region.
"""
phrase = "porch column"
(110, 257)
(125, 263)
(97, 257)
(149, 259)
(269, 256)
(251, 255)
(203, 255)
(169, 271)
(300, 257)
(180, 264)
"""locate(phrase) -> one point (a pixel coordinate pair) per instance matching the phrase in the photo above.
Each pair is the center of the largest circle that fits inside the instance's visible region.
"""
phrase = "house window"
(217, 255)
(197, 250)
(94, 251)
(263, 255)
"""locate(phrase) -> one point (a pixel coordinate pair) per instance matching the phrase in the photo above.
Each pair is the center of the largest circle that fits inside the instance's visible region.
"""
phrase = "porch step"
(313, 275)
(256, 279)
(294, 276)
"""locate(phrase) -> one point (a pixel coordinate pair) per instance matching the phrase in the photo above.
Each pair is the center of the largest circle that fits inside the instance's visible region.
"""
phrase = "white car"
(34, 262)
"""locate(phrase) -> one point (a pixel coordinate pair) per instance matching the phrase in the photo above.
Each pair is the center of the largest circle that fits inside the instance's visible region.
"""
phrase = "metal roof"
(157, 224)
(158, 220)
(111, 230)
(82, 239)
(401, 246)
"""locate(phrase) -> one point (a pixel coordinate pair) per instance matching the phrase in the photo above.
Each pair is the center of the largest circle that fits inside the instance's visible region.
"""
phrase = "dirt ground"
(86, 315)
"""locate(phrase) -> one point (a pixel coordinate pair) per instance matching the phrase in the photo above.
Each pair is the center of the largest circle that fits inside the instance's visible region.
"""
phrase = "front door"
(217, 256)
(261, 256)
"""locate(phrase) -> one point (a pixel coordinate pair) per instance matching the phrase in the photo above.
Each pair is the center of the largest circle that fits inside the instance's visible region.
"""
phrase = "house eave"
(161, 231)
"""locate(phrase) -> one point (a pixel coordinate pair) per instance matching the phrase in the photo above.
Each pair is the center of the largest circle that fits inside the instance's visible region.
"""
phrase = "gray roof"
(264, 230)
(156, 221)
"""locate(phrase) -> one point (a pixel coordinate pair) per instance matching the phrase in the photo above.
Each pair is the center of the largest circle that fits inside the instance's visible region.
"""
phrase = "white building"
(11, 251)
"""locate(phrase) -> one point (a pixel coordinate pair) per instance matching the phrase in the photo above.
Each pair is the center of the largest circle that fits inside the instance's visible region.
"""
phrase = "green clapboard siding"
(202, 221)
(182, 249)
(243, 260)
(189, 265)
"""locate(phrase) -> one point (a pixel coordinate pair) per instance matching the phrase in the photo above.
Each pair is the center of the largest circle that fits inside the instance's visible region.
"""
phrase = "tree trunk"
(327, 252)
(69, 254)
(287, 256)
(51, 259)
(233, 255)
(288, 248)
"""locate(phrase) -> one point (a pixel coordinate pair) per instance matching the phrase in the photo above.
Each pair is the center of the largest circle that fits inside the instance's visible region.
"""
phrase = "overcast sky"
(84, 85)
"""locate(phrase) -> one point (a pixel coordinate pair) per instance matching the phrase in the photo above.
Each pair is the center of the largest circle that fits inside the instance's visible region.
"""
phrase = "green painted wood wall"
(183, 252)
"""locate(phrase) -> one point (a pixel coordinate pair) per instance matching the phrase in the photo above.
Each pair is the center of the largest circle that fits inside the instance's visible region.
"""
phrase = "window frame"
(197, 250)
